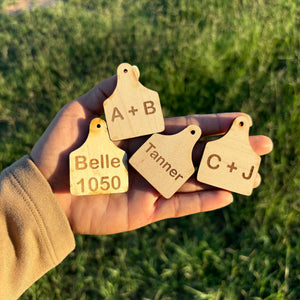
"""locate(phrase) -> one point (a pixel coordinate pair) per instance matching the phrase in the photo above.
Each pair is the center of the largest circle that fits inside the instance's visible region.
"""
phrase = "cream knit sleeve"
(35, 234)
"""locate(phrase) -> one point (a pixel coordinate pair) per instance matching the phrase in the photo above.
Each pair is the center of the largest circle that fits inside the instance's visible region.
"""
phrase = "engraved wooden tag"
(98, 166)
(165, 161)
(230, 162)
(132, 110)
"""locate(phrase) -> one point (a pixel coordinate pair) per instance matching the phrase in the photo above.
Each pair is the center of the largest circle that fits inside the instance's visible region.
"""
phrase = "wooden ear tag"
(98, 166)
(132, 110)
(165, 161)
(230, 162)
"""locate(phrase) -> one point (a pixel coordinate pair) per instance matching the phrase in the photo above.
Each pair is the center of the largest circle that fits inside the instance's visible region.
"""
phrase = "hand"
(142, 204)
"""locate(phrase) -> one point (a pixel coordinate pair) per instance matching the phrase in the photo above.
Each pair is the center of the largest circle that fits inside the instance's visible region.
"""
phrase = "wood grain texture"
(230, 162)
(132, 110)
(98, 166)
(165, 161)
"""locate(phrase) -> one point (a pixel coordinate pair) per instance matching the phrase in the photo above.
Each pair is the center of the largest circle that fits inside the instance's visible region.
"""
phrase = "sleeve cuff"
(50, 218)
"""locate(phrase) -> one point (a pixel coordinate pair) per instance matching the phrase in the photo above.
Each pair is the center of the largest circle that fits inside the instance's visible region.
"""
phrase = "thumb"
(92, 101)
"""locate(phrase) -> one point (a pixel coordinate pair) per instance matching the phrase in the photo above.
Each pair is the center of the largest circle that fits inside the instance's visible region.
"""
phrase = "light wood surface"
(230, 162)
(98, 166)
(165, 161)
(132, 110)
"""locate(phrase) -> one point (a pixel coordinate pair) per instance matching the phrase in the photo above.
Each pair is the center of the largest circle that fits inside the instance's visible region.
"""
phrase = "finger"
(182, 204)
(92, 101)
(261, 144)
(193, 185)
(257, 181)
(212, 124)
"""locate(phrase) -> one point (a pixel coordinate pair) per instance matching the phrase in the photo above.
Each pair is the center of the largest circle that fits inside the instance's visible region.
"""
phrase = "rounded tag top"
(242, 121)
(194, 131)
(98, 125)
(239, 130)
(126, 71)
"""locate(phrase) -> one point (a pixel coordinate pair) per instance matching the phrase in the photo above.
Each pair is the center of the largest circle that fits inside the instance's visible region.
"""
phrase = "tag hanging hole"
(241, 124)
(98, 125)
(125, 70)
(193, 132)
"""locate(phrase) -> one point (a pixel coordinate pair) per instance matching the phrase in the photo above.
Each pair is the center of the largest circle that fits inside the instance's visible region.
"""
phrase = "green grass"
(202, 57)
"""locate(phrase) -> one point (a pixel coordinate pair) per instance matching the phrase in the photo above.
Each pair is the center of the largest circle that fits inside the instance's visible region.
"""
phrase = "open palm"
(142, 204)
